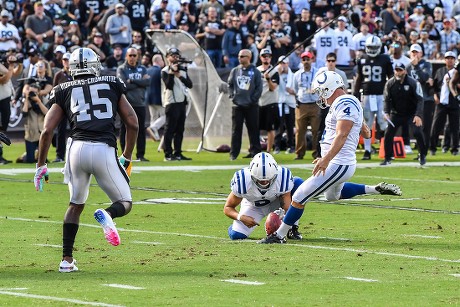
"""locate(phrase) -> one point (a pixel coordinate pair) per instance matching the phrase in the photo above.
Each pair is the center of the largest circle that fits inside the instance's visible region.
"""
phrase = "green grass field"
(369, 251)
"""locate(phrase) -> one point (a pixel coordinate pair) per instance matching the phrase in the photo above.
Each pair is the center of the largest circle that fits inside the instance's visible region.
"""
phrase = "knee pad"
(235, 235)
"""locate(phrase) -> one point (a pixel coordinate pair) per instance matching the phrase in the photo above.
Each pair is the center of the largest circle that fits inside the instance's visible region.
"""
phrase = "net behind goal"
(209, 122)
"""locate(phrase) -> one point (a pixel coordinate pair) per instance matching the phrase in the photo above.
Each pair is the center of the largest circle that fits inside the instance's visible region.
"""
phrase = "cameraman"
(7, 70)
(34, 112)
(175, 100)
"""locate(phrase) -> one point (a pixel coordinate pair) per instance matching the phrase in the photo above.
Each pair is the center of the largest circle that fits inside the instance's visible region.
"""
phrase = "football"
(272, 223)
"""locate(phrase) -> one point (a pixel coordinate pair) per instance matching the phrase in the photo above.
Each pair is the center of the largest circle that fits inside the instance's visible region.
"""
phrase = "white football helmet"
(324, 85)
(373, 45)
(84, 61)
(264, 170)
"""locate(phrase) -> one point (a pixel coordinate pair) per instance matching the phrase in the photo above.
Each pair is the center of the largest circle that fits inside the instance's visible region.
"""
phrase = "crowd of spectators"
(223, 27)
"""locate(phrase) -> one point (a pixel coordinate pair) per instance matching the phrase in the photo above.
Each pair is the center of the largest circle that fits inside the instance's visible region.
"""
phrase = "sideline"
(195, 168)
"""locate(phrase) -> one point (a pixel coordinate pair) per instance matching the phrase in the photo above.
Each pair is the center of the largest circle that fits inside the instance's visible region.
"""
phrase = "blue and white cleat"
(110, 231)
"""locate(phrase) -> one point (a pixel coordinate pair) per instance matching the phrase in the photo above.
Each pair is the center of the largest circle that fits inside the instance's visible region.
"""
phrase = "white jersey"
(359, 41)
(444, 95)
(243, 186)
(402, 60)
(8, 31)
(325, 42)
(344, 45)
(345, 107)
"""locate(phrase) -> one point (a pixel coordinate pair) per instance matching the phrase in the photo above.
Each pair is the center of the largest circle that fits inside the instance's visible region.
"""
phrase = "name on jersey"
(88, 81)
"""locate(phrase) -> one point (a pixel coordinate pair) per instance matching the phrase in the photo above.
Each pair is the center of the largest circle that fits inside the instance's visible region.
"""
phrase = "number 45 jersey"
(372, 74)
(243, 186)
(91, 106)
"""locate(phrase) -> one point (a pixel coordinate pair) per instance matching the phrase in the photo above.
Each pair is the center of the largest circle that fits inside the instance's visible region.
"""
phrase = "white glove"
(41, 174)
(280, 212)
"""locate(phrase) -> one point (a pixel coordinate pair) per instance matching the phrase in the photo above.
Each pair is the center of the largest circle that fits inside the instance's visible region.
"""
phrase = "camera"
(183, 61)
(32, 94)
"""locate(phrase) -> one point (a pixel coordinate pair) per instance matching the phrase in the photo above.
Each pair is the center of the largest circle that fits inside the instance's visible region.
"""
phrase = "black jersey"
(91, 106)
(372, 74)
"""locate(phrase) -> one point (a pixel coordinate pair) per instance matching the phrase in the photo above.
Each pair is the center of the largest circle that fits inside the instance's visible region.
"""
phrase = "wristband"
(238, 218)
(44, 35)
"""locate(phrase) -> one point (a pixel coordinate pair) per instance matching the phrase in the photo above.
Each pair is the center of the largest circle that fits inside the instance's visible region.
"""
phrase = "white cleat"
(66, 267)
(110, 231)
(388, 189)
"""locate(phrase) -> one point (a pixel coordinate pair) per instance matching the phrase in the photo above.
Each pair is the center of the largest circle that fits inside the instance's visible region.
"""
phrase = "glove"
(280, 212)
(127, 164)
(40, 174)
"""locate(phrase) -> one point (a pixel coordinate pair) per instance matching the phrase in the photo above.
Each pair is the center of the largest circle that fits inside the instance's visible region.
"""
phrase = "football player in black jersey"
(373, 71)
(90, 102)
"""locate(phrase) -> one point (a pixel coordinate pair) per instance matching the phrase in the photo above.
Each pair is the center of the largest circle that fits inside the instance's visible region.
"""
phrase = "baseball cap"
(172, 51)
(415, 47)
(344, 7)
(60, 48)
(184, 1)
(414, 33)
(449, 54)
(5, 13)
(307, 54)
(32, 51)
(400, 66)
(66, 56)
(119, 5)
(183, 22)
(98, 34)
(283, 59)
(38, 3)
(342, 18)
(265, 51)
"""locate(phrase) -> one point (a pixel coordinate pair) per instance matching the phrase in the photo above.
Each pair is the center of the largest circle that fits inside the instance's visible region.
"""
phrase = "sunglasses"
(132, 55)
(266, 56)
(306, 59)
(242, 56)
(236, 20)
(331, 61)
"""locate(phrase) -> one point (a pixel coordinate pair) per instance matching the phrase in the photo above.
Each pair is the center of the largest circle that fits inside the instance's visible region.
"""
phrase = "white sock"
(370, 189)
(283, 230)
(367, 145)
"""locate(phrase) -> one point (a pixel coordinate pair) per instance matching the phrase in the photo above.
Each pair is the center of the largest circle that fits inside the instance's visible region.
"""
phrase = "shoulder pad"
(241, 182)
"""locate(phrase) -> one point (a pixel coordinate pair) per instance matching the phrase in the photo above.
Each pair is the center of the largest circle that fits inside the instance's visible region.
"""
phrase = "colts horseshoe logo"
(324, 81)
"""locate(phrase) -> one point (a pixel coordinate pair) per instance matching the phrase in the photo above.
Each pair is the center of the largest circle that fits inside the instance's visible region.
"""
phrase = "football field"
(368, 251)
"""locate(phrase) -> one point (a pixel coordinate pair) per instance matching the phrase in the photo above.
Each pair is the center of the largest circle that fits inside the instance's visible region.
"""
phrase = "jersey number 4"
(79, 103)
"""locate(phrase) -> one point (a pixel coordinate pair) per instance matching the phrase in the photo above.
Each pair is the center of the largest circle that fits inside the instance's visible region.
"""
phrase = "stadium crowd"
(37, 33)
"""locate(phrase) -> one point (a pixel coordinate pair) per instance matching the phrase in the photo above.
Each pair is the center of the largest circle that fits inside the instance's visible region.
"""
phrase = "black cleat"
(272, 239)
(367, 155)
(181, 157)
(385, 162)
(294, 233)
(422, 159)
(388, 189)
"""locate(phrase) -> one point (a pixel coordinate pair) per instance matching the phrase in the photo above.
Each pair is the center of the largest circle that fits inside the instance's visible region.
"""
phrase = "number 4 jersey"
(373, 73)
(243, 186)
(91, 105)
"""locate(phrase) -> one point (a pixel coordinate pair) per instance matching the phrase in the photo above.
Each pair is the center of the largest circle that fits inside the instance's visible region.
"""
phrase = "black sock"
(69, 231)
(116, 209)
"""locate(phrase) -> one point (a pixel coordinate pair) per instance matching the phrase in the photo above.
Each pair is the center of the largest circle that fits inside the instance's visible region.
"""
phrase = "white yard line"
(252, 241)
(58, 299)
(361, 279)
(123, 286)
(243, 282)
(455, 275)
(48, 245)
(423, 236)
(148, 243)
